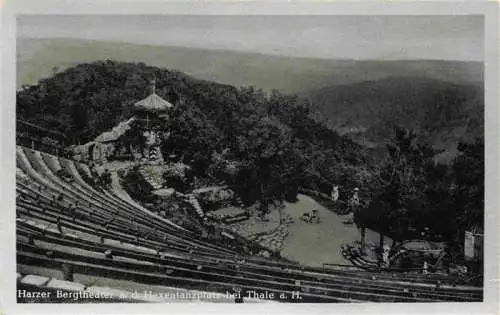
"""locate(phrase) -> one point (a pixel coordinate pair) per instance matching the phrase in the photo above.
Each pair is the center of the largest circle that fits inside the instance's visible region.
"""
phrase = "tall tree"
(402, 195)
(468, 195)
(191, 137)
(265, 150)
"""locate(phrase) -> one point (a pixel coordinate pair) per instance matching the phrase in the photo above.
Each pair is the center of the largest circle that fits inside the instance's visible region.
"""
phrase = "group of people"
(311, 217)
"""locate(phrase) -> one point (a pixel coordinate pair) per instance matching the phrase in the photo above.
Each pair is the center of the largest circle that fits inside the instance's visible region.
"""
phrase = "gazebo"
(152, 109)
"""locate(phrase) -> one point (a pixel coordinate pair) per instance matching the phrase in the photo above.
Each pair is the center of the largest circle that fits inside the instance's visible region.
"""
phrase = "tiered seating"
(74, 168)
(70, 290)
(178, 266)
(108, 209)
(66, 221)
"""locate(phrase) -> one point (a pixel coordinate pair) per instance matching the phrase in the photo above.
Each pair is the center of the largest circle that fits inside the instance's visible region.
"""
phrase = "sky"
(326, 37)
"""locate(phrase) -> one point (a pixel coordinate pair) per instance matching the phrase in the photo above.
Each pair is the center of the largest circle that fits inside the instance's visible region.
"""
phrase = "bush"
(137, 187)
(179, 177)
(214, 200)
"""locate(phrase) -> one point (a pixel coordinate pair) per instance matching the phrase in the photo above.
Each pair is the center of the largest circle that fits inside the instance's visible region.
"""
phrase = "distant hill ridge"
(443, 112)
(38, 58)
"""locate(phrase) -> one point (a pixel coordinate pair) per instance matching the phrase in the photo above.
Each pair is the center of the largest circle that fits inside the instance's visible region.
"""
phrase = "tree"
(136, 186)
(179, 177)
(265, 151)
(468, 194)
(439, 210)
(402, 195)
(192, 137)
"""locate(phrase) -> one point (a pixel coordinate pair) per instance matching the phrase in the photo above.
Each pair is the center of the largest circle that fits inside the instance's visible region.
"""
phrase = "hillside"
(37, 58)
(443, 112)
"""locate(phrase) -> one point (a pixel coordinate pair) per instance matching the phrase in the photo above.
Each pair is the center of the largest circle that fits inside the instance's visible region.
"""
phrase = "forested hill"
(86, 100)
(444, 113)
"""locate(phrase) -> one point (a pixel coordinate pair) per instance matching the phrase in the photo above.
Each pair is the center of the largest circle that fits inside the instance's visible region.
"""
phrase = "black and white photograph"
(277, 159)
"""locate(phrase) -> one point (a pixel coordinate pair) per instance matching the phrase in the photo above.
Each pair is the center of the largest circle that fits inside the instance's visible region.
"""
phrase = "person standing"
(355, 197)
(335, 193)
(385, 256)
(354, 203)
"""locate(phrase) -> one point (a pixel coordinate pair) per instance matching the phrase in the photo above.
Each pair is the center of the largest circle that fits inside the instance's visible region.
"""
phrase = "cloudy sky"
(330, 37)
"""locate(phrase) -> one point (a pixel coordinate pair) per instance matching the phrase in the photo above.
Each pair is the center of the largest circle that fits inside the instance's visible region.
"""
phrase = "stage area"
(313, 244)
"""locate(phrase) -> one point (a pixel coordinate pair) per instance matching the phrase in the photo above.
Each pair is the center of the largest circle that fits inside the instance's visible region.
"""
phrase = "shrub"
(137, 187)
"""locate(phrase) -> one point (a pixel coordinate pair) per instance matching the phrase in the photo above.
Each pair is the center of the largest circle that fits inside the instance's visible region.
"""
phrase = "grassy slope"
(37, 57)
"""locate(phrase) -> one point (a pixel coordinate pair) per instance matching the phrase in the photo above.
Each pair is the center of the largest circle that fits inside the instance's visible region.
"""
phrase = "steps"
(352, 254)
(236, 219)
(196, 205)
(362, 262)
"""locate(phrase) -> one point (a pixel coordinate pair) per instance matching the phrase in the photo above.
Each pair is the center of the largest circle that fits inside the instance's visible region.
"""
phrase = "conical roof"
(153, 103)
